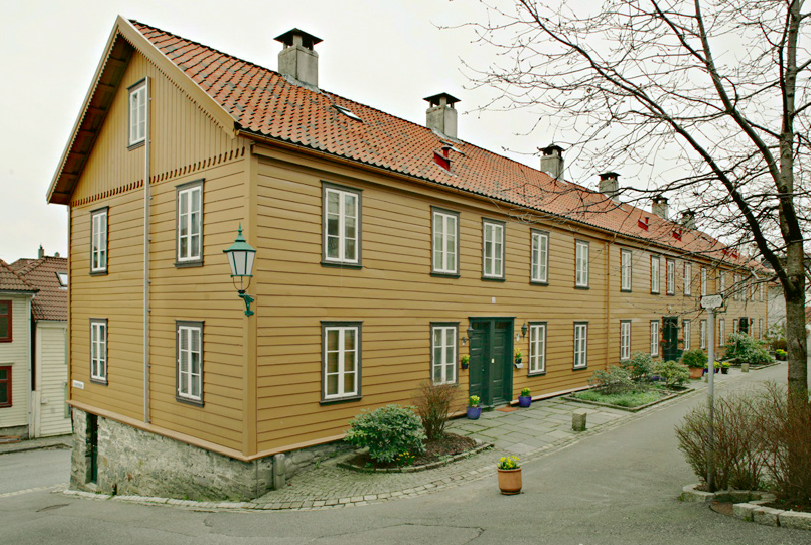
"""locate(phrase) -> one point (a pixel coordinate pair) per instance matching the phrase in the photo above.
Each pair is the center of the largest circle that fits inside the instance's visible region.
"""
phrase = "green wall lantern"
(240, 258)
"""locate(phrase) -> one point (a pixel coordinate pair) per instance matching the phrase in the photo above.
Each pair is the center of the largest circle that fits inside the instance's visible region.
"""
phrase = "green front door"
(670, 338)
(491, 350)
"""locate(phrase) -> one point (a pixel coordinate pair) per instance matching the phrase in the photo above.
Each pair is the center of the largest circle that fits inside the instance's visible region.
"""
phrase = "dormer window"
(137, 113)
(347, 112)
(63, 279)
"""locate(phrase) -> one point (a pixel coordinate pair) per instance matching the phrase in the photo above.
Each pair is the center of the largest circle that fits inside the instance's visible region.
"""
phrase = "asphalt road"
(618, 487)
(33, 469)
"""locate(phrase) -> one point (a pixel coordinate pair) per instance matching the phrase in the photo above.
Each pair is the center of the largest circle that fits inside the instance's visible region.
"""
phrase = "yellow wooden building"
(386, 250)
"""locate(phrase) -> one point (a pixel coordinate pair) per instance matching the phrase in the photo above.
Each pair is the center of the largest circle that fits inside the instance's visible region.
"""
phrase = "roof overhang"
(122, 42)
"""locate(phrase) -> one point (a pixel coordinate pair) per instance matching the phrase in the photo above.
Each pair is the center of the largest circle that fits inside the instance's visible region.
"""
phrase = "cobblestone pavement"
(56, 441)
(531, 433)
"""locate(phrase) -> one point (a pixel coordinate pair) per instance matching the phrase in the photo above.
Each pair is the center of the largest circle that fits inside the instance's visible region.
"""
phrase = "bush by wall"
(434, 402)
(672, 373)
(696, 358)
(388, 432)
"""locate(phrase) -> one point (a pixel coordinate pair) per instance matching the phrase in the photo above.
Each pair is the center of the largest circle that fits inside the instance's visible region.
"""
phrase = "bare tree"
(716, 91)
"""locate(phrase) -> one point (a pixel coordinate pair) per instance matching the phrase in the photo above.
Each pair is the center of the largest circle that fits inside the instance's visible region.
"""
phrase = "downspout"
(146, 251)
(31, 391)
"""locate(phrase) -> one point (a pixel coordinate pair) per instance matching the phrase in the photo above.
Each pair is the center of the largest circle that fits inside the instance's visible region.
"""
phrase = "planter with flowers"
(509, 475)
(525, 399)
(474, 411)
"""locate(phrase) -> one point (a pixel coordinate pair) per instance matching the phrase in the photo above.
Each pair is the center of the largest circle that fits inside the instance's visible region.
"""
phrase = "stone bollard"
(579, 421)
(745, 367)
(279, 471)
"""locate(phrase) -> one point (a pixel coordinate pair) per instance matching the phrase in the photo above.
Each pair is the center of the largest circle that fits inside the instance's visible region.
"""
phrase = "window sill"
(585, 367)
(339, 265)
(4, 405)
(446, 275)
(580, 287)
(185, 264)
(536, 374)
(187, 401)
(655, 293)
(494, 278)
(98, 273)
(136, 145)
(98, 381)
(340, 400)
(626, 290)
(671, 293)
(539, 282)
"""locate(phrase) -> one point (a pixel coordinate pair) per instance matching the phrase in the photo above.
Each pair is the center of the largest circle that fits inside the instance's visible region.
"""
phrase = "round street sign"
(712, 301)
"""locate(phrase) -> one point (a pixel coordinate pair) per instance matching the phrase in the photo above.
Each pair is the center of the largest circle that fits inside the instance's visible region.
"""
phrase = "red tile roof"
(51, 302)
(11, 281)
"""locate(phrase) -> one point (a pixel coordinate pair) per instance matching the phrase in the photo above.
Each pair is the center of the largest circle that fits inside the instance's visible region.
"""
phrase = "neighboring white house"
(777, 305)
(33, 363)
(15, 352)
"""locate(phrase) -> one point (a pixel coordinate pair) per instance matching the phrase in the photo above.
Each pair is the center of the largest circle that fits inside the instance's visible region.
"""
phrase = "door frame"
(509, 353)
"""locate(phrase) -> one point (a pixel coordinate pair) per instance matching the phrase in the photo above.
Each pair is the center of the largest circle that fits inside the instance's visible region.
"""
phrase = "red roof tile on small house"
(11, 281)
(51, 302)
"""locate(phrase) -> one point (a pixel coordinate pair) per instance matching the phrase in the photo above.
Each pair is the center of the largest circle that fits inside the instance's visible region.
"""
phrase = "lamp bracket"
(248, 300)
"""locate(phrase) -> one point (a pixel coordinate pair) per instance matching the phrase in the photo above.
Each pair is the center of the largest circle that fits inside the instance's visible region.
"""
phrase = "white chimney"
(688, 219)
(441, 115)
(552, 161)
(659, 207)
(610, 185)
(298, 58)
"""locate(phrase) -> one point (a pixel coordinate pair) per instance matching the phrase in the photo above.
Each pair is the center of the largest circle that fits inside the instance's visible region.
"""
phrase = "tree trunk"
(796, 341)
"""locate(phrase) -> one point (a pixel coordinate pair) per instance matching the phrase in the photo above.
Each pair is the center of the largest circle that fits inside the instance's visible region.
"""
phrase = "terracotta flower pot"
(696, 372)
(509, 481)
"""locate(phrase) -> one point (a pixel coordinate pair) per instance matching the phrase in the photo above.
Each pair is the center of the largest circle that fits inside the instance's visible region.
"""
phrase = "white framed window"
(670, 277)
(98, 350)
(626, 273)
(190, 223)
(688, 278)
(341, 355)
(753, 288)
(760, 328)
(734, 326)
(581, 332)
(760, 291)
(736, 293)
(537, 348)
(62, 277)
(190, 361)
(722, 281)
(703, 281)
(721, 331)
(540, 256)
(687, 333)
(581, 263)
(625, 339)
(654, 274)
(493, 249)
(342, 225)
(702, 334)
(445, 241)
(443, 353)
(654, 338)
(98, 241)
(137, 113)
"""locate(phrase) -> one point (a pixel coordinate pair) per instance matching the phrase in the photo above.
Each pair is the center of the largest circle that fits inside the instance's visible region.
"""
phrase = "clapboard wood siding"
(15, 354)
(185, 146)
(53, 376)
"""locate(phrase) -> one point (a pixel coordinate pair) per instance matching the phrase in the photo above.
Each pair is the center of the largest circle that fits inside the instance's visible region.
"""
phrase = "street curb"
(629, 409)
(480, 446)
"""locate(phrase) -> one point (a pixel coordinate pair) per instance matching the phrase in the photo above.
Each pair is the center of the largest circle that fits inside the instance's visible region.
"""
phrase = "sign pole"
(710, 384)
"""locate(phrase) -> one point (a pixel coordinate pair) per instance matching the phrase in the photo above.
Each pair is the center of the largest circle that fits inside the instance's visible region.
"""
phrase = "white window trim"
(539, 257)
(496, 262)
(443, 218)
(626, 270)
(136, 123)
(98, 240)
(342, 238)
(186, 218)
(722, 283)
(721, 332)
(702, 334)
(703, 281)
(655, 263)
(687, 332)
(625, 340)
(581, 339)
(445, 364)
(342, 392)
(98, 350)
(670, 276)
(654, 338)
(688, 278)
(581, 263)
(537, 348)
(185, 385)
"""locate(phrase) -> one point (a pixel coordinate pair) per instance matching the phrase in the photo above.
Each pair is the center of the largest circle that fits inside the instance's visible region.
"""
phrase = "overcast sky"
(387, 54)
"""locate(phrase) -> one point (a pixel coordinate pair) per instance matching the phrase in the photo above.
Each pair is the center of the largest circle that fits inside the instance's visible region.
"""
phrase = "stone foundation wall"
(20, 431)
(300, 460)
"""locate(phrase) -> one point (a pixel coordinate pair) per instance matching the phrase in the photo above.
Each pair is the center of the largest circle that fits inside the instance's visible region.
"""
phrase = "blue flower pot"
(474, 412)
(524, 401)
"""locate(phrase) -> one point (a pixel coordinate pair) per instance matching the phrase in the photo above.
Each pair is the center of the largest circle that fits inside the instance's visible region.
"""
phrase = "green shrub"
(614, 380)
(433, 404)
(639, 365)
(672, 373)
(743, 347)
(694, 358)
(760, 356)
(388, 432)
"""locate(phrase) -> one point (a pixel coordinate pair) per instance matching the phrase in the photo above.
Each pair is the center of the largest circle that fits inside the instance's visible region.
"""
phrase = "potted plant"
(473, 409)
(518, 357)
(696, 360)
(509, 475)
(465, 361)
(781, 354)
(724, 367)
(525, 399)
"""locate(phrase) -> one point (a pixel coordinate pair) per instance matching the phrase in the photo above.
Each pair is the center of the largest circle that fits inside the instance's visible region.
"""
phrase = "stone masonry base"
(136, 462)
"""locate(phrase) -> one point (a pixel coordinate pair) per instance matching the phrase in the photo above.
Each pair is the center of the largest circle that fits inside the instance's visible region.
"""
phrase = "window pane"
(349, 339)
(195, 386)
(332, 246)
(195, 363)
(349, 383)
(195, 246)
(349, 251)
(3, 392)
(4, 332)
(332, 362)
(349, 361)
(332, 340)
(437, 374)
(349, 205)
(333, 203)
(332, 384)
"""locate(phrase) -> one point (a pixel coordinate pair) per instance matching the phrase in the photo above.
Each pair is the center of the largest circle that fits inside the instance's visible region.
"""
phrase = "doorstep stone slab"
(796, 520)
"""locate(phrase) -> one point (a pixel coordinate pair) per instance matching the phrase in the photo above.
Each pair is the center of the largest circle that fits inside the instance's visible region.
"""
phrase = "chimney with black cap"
(610, 185)
(552, 161)
(441, 114)
(298, 58)
(660, 207)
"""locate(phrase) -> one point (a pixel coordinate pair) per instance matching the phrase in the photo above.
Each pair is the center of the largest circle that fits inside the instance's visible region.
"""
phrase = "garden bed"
(631, 401)
(450, 448)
